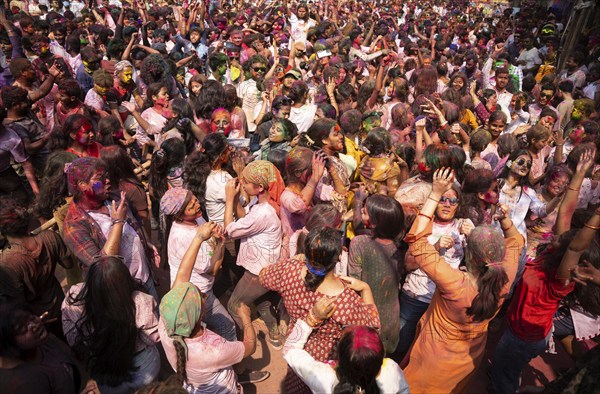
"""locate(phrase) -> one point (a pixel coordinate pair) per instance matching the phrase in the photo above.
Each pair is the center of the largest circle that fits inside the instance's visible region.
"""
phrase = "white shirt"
(260, 234)
(417, 284)
(250, 96)
(303, 117)
(321, 377)
(215, 195)
(131, 247)
(531, 58)
(180, 239)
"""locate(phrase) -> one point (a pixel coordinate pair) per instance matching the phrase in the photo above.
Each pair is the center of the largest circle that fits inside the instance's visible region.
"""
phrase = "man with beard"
(471, 69)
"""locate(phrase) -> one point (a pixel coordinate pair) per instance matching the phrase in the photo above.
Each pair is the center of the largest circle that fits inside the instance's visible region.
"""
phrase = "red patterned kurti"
(285, 278)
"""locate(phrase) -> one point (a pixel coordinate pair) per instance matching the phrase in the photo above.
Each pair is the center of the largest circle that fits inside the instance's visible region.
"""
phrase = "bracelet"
(433, 199)
(506, 229)
(116, 221)
(591, 227)
(571, 188)
(558, 144)
(312, 320)
(428, 217)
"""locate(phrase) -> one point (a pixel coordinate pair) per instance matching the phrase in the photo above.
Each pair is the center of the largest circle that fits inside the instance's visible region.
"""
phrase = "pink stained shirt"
(260, 236)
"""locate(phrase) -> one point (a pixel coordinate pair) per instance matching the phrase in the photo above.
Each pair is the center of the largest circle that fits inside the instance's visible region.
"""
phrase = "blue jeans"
(147, 362)
(218, 319)
(511, 356)
(151, 289)
(411, 311)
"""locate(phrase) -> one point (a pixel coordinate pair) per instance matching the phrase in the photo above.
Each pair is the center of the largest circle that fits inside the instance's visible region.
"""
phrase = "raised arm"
(578, 245)
(569, 202)
(184, 273)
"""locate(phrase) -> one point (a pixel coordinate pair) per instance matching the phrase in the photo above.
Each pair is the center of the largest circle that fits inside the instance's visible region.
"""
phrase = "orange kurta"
(449, 346)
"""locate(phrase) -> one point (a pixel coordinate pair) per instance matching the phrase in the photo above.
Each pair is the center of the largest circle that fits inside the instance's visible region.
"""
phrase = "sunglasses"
(260, 69)
(452, 201)
(546, 95)
(521, 162)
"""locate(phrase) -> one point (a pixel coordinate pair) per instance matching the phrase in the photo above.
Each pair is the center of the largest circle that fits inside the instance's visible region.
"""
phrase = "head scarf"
(172, 203)
(262, 172)
(180, 309)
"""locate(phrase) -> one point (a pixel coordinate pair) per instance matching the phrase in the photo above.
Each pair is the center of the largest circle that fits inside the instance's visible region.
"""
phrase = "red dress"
(285, 278)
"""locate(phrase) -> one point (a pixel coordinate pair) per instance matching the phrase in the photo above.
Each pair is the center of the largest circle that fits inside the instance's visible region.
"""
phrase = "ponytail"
(322, 248)
(484, 254)
(180, 354)
(490, 284)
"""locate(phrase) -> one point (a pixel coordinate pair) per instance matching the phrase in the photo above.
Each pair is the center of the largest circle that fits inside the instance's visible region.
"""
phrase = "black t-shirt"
(26, 379)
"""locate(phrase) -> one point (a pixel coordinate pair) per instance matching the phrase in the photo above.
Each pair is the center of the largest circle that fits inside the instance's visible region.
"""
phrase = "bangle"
(558, 144)
(433, 199)
(428, 217)
(116, 221)
(312, 320)
(591, 227)
(572, 188)
(511, 226)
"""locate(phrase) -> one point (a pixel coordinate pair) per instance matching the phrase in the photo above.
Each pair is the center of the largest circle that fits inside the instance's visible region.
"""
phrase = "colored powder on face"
(97, 187)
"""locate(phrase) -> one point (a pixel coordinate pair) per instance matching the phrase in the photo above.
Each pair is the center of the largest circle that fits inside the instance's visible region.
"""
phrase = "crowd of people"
(382, 183)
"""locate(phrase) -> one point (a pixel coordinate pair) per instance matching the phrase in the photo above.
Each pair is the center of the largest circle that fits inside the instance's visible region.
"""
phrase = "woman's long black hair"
(199, 164)
(54, 187)
(182, 110)
(107, 328)
(211, 97)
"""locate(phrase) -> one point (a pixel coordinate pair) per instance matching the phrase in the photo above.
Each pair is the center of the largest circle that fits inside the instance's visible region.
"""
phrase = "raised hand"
(205, 231)
(586, 160)
(443, 179)
(232, 188)
(318, 166)
(119, 212)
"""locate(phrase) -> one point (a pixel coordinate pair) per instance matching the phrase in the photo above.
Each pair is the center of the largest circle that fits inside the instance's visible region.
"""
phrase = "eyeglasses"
(452, 201)
(521, 162)
(259, 69)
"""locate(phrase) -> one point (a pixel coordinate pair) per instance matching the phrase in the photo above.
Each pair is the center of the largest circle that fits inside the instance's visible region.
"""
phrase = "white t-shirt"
(215, 195)
(131, 247)
(322, 378)
(209, 364)
(303, 117)
(180, 238)
(417, 284)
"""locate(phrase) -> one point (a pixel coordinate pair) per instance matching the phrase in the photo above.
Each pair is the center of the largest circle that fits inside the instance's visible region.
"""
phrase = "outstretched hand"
(586, 160)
